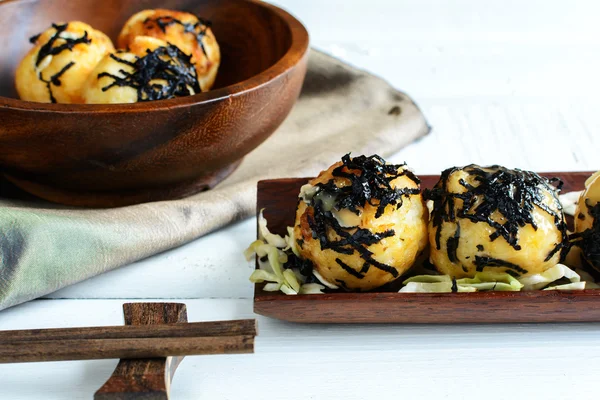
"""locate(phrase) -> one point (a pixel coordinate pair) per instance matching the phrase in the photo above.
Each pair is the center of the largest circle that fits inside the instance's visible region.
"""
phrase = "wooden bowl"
(119, 154)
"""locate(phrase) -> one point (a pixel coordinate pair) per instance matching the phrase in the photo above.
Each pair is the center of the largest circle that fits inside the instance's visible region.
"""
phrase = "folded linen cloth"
(45, 247)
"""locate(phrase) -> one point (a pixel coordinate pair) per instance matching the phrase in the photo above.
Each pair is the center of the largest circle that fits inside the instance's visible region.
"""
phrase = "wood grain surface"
(117, 154)
(175, 330)
(151, 378)
(279, 197)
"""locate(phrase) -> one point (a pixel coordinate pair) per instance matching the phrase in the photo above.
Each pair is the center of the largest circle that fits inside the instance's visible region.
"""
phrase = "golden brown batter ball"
(62, 59)
(587, 222)
(496, 220)
(151, 70)
(362, 223)
(184, 30)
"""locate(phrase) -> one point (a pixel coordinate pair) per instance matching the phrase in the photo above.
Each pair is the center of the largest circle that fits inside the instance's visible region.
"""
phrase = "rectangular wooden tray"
(279, 198)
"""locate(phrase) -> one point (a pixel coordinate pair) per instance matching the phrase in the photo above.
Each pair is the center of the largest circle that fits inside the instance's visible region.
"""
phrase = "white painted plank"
(436, 48)
(292, 361)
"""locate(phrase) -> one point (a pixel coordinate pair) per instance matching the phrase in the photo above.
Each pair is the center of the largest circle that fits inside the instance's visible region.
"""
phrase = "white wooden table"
(511, 82)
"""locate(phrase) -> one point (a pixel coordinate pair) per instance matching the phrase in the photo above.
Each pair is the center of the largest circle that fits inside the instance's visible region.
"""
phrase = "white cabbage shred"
(569, 202)
(539, 281)
(500, 282)
(279, 278)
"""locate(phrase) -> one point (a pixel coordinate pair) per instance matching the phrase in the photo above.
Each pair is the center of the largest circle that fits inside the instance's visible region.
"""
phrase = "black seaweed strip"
(482, 262)
(55, 80)
(164, 63)
(197, 29)
(48, 48)
(349, 269)
(454, 285)
(452, 244)
(589, 240)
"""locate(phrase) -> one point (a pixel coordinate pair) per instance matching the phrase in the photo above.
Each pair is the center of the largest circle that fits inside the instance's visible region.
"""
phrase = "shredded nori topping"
(197, 29)
(452, 244)
(304, 266)
(342, 284)
(369, 182)
(482, 262)
(55, 80)
(35, 38)
(49, 49)
(370, 179)
(589, 240)
(165, 63)
(512, 193)
(349, 269)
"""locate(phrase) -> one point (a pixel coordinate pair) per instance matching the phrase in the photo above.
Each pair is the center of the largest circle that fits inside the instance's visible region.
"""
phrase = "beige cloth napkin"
(44, 247)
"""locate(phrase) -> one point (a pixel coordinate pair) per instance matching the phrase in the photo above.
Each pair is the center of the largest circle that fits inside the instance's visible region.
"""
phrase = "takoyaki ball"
(587, 222)
(184, 30)
(60, 62)
(495, 219)
(362, 223)
(151, 70)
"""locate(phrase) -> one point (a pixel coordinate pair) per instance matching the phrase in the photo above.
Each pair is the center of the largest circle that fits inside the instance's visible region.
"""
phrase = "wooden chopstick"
(192, 329)
(128, 342)
(95, 349)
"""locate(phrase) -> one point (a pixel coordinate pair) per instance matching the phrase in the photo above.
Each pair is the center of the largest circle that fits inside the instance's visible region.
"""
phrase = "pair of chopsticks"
(129, 341)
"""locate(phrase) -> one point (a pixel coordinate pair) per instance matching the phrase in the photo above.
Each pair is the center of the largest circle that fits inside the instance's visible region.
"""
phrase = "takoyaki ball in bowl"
(362, 223)
(495, 219)
(190, 33)
(61, 60)
(151, 70)
(587, 222)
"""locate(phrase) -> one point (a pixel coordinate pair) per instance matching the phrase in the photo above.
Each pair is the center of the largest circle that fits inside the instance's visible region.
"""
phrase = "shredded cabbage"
(274, 247)
(569, 202)
(589, 279)
(568, 286)
(492, 281)
(251, 250)
(500, 282)
(291, 242)
(427, 287)
(443, 283)
(266, 235)
(311, 288)
(323, 281)
(307, 192)
(272, 287)
(539, 281)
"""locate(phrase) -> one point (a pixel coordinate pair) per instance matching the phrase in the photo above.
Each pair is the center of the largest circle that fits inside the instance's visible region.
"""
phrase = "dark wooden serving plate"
(279, 197)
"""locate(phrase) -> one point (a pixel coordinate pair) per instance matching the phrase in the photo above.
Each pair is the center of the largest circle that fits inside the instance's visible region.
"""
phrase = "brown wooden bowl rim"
(294, 54)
